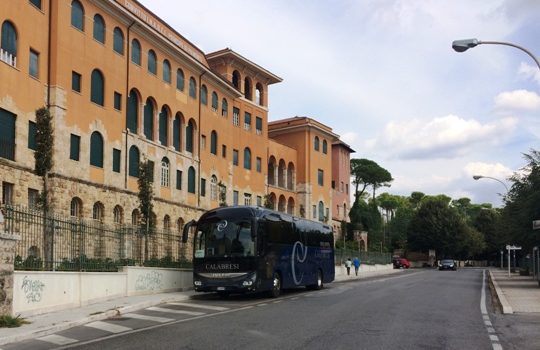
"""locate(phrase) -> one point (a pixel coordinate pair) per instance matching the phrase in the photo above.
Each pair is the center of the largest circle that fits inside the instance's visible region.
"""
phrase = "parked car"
(401, 263)
(447, 264)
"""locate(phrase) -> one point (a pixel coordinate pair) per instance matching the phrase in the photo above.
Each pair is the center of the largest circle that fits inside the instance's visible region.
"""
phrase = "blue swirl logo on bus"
(299, 254)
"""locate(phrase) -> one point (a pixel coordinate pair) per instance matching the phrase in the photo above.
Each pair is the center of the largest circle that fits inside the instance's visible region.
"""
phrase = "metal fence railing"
(368, 258)
(61, 243)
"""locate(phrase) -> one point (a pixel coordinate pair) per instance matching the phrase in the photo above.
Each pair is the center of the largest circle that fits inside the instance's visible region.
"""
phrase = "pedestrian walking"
(356, 263)
(348, 265)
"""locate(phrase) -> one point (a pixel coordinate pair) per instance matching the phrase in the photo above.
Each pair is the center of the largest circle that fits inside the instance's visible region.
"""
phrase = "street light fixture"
(465, 44)
(478, 177)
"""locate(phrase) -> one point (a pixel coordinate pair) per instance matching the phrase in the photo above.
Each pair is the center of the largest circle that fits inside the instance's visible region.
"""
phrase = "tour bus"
(243, 249)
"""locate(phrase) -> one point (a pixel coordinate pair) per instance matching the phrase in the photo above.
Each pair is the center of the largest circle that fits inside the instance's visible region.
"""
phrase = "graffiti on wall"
(152, 280)
(32, 289)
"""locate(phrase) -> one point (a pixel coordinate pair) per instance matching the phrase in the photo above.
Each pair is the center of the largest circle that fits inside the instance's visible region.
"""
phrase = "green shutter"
(178, 179)
(191, 180)
(96, 149)
(32, 135)
(74, 146)
(116, 160)
(203, 187)
(7, 135)
(134, 161)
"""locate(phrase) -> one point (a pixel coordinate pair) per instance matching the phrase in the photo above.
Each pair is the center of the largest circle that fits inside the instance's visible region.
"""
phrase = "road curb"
(501, 298)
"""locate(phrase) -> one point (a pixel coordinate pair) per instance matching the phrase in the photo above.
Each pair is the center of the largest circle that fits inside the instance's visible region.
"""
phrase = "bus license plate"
(220, 288)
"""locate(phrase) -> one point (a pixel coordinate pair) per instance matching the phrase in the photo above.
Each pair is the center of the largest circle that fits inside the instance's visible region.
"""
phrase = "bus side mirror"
(185, 231)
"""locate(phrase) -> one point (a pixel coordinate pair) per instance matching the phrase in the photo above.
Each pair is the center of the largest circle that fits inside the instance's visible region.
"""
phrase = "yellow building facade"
(123, 86)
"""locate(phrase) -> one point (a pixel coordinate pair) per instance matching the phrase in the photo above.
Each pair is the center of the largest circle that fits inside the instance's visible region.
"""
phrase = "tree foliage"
(146, 195)
(44, 142)
(366, 173)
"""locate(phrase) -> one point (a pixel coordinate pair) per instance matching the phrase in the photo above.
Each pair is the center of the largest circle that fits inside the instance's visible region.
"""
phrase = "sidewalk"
(52, 322)
(516, 294)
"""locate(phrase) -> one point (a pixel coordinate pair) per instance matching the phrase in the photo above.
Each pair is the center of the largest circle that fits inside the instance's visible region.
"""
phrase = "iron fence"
(58, 243)
(368, 258)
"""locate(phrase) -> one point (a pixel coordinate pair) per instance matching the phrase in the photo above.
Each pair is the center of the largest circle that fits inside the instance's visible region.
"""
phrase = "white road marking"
(149, 318)
(491, 330)
(198, 306)
(494, 338)
(488, 323)
(57, 339)
(108, 327)
(497, 346)
(172, 311)
(263, 304)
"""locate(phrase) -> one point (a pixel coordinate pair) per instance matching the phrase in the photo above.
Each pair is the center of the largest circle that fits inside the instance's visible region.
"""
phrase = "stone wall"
(7, 254)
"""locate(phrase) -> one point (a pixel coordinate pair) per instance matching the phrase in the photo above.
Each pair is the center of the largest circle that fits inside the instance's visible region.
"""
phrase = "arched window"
(180, 79)
(316, 143)
(166, 71)
(135, 217)
(247, 88)
(134, 159)
(99, 28)
(191, 179)
(213, 188)
(132, 120)
(324, 147)
(167, 223)
(247, 158)
(118, 41)
(272, 171)
(96, 149)
(98, 211)
(213, 142)
(321, 211)
(259, 94)
(118, 214)
(176, 132)
(236, 79)
(36, 3)
(189, 136)
(224, 108)
(77, 15)
(148, 121)
(76, 207)
(9, 43)
(97, 86)
(135, 52)
(192, 88)
(214, 101)
(164, 126)
(204, 95)
(165, 172)
(281, 173)
(180, 225)
(152, 62)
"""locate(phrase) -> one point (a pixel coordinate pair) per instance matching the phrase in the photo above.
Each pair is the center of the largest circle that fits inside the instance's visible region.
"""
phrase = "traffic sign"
(536, 225)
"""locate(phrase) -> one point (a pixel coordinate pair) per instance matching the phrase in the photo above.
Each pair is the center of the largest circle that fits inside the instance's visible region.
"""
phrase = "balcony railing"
(8, 58)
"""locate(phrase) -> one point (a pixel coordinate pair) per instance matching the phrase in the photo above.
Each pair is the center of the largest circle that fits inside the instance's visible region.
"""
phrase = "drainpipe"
(128, 52)
(199, 138)
(49, 48)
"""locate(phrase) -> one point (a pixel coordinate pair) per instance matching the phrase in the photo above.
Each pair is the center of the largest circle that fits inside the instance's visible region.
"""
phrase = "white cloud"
(528, 71)
(444, 137)
(496, 170)
(518, 99)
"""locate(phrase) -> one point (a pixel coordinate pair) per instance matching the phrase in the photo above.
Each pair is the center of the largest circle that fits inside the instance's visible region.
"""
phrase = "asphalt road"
(417, 309)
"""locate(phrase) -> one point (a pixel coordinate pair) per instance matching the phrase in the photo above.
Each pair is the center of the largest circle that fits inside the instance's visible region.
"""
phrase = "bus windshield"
(224, 237)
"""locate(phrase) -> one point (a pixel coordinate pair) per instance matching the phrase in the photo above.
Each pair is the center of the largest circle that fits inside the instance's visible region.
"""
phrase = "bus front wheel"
(319, 284)
(276, 286)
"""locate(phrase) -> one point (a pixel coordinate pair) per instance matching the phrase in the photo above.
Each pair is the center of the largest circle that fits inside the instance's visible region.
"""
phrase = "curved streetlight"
(465, 44)
(478, 177)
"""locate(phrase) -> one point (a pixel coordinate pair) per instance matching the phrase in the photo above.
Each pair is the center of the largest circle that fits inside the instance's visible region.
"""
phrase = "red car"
(401, 263)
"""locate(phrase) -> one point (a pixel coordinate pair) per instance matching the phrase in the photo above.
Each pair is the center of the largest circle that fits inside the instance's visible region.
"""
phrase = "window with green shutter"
(118, 41)
(191, 180)
(32, 135)
(136, 52)
(152, 62)
(99, 28)
(96, 149)
(116, 160)
(117, 101)
(203, 187)
(97, 87)
(176, 133)
(7, 134)
(77, 15)
(75, 81)
(178, 179)
(180, 79)
(74, 147)
(164, 127)
(134, 158)
(132, 112)
(258, 125)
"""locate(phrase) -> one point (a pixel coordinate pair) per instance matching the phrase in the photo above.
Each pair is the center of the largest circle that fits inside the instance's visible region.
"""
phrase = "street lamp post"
(478, 177)
(465, 44)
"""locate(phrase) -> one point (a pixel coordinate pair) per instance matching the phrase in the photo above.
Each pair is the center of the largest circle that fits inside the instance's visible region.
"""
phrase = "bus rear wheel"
(276, 286)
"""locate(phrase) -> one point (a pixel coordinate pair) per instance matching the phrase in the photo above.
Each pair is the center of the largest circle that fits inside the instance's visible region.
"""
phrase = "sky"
(382, 74)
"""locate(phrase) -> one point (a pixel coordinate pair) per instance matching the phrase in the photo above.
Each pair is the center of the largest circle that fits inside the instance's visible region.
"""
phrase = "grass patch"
(7, 321)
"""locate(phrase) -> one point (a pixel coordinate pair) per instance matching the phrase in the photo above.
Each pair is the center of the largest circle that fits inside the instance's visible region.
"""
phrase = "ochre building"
(122, 87)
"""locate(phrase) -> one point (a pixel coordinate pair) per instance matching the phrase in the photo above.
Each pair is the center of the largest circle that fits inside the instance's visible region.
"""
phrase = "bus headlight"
(197, 283)
(250, 280)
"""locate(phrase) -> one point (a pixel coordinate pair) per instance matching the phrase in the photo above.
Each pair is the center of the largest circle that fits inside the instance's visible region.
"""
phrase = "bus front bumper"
(223, 282)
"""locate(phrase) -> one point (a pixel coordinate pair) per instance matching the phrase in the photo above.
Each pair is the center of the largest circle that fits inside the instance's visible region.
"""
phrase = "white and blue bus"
(251, 249)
